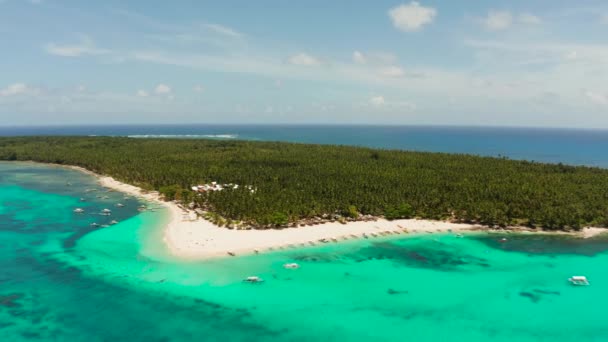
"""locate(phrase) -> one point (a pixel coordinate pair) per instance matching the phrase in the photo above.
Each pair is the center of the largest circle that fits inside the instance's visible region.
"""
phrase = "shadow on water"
(544, 244)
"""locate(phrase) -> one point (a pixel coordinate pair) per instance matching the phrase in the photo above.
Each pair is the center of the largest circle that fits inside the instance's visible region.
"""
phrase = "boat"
(94, 224)
(253, 279)
(106, 211)
(82, 199)
(579, 281)
(459, 235)
(291, 265)
(120, 205)
(79, 210)
(113, 222)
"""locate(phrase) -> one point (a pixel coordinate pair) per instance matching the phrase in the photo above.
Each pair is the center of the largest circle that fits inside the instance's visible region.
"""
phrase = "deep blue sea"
(569, 146)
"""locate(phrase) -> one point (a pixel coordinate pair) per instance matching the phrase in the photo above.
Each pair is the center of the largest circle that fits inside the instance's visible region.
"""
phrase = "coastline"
(190, 237)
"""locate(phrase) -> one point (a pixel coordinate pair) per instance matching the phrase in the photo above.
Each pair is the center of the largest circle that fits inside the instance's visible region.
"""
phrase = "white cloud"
(377, 101)
(571, 56)
(198, 88)
(597, 98)
(502, 20)
(223, 30)
(392, 71)
(498, 20)
(19, 89)
(142, 93)
(411, 17)
(359, 58)
(304, 59)
(162, 89)
(14, 89)
(374, 58)
(86, 46)
(529, 19)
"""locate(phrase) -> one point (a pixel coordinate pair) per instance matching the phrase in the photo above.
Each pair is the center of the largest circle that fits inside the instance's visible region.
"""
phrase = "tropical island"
(275, 184)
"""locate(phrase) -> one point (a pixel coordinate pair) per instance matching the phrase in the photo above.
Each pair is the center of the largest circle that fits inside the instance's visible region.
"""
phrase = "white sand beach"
(188, 236)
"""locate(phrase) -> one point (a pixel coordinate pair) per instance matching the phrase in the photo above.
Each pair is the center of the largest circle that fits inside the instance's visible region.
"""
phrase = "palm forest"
(281, 184)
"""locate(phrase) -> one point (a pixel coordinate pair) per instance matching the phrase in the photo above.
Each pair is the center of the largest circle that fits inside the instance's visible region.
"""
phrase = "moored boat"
(253, 279)
(79, 210)
(291, 265)
(579, 281)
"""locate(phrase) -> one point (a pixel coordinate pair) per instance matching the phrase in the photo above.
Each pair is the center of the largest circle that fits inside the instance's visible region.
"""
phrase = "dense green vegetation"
(296, 181)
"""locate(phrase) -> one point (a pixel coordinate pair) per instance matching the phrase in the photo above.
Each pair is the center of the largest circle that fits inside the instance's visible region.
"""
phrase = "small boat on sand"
(78, 210)
(253, 279)
(291, 266)
(579, 281)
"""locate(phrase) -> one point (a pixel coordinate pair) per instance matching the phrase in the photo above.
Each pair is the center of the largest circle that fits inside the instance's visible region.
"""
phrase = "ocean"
(63, 279)
(569, 146)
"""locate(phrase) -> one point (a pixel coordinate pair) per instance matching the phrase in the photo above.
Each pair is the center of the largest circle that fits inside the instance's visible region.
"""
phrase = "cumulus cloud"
(162, 89)
(86, 46)
(411, 17)
(377, 101)
(304, 59)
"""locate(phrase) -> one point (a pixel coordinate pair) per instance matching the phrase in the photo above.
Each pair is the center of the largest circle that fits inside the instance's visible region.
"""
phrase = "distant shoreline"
(188, 236)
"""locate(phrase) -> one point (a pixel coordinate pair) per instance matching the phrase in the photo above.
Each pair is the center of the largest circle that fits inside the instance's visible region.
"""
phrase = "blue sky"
(511, 63)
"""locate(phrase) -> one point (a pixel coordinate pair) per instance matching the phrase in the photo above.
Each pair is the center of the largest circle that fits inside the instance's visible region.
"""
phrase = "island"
(279, 195)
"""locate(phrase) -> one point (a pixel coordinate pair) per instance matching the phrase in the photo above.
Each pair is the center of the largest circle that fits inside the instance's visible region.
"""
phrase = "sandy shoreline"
(187, 236)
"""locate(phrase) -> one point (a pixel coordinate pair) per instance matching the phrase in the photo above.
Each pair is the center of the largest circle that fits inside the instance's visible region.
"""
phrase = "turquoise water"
(63, 280)
(569, 146)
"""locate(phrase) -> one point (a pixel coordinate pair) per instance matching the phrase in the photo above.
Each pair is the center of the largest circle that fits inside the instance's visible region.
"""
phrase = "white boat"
(579, 281)
(120, 205)
(79, 210)
(106, 211)
(459, 235)
(253, 279)
(113, 222)
(292, 266)
(94, 224)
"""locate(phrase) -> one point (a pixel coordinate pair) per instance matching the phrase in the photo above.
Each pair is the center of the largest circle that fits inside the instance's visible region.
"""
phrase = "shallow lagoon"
(65, 280)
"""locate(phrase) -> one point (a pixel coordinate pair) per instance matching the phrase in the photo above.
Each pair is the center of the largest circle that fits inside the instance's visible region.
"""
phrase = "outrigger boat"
(253, 279)
(579, 281)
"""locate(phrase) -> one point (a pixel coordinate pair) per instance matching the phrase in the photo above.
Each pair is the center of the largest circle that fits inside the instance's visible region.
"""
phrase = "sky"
(537, 63)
